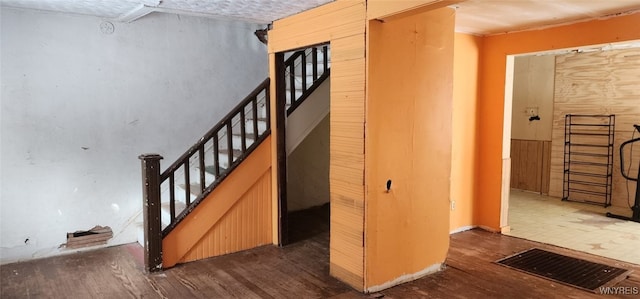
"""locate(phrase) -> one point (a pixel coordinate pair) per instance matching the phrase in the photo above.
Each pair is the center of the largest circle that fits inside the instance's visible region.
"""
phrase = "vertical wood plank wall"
(530, 160)
(602, 82)
(234, 217)
(246, 225)
(342, 23)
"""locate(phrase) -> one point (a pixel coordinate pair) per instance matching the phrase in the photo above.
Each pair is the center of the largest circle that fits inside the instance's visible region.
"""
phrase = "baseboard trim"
(406, 278)
(489, 229)
(462, 229)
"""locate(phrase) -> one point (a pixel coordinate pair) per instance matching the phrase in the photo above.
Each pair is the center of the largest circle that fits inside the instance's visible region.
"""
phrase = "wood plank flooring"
(296, 271)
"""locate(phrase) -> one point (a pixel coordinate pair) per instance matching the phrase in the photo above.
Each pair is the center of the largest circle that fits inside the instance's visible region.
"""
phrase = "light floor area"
(572, 225)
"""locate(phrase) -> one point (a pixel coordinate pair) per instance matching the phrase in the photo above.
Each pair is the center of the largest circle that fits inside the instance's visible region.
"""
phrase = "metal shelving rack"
(588, 158)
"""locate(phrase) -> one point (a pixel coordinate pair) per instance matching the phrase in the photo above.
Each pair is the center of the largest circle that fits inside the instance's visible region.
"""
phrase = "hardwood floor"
(296, 271)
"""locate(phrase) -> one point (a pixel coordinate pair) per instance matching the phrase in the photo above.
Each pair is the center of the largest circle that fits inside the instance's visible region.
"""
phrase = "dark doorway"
(302, 132)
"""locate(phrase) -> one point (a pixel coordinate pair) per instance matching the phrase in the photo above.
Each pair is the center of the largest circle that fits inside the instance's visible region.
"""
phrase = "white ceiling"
(499, 16)
(473, 16)
(256, 11)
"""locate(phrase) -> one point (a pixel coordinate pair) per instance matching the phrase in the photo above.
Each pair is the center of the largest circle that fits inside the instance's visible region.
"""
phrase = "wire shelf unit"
(588, 158)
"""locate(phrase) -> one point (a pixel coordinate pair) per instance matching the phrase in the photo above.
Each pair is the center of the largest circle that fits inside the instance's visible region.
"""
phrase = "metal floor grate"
(564, 269)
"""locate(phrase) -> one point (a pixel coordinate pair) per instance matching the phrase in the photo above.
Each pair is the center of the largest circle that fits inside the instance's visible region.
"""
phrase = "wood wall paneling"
(347, 160)
(546, 167)
(342, 23)
(533, 80)
(329, 22)
(603, 82)
(246, 225)
(390, 10)
(241, 203)
(530, 161)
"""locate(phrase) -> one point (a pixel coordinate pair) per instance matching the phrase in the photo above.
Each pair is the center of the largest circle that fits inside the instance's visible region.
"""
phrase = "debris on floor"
(98, 235)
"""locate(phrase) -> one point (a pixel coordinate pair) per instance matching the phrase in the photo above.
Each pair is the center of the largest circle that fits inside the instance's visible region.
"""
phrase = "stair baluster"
(210, 145)
(214, 146)
(296, 65)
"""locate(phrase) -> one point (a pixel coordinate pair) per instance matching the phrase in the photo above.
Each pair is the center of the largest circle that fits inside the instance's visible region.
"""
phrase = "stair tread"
(194, 188)
(248, 135)
(178, 204)
(260, 118)
(211, 169)
(251, 118)
(236, 152)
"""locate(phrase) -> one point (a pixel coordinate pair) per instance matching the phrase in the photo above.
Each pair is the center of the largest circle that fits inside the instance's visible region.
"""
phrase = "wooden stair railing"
(297, 74)
(219, 152)
(225, 129)
(211, 159)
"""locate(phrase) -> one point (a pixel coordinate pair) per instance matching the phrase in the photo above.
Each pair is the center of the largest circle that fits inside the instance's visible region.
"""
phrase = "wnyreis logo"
(620, 290)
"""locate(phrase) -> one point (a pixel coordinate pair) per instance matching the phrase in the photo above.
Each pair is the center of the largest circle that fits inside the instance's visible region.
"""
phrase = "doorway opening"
(303, 97)
(588, 80)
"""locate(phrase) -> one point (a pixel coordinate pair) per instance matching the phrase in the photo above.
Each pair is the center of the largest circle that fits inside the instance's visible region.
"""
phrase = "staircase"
(187, 182)
(206, 164)
(305, 70)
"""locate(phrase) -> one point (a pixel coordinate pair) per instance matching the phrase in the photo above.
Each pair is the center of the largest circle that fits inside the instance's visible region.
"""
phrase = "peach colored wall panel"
(408, 140)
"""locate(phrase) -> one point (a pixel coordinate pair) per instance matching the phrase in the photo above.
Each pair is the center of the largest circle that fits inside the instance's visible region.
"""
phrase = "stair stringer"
(208, 224)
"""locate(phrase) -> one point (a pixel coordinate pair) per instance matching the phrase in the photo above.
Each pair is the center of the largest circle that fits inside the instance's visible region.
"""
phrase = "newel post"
(151, 211)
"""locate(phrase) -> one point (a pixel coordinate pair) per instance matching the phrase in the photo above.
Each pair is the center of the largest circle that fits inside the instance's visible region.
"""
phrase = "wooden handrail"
(226, 127)
(214, 142)
(298, 61)
(264, 85)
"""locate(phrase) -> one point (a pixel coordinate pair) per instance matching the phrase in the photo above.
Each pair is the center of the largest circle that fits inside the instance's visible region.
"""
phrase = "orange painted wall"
(465, 101)
(343, 24)
(235, 216)
(408, 140)
(245, 225)
(491, 100)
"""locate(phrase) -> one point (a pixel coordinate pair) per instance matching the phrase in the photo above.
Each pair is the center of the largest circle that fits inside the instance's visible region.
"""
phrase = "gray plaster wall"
(79, 106)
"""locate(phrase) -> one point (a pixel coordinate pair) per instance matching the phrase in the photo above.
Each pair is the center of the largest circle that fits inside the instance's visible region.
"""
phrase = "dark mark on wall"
(84, 148)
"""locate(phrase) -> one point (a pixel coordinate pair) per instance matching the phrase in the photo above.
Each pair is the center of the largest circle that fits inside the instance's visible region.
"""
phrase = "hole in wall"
(98, 235)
